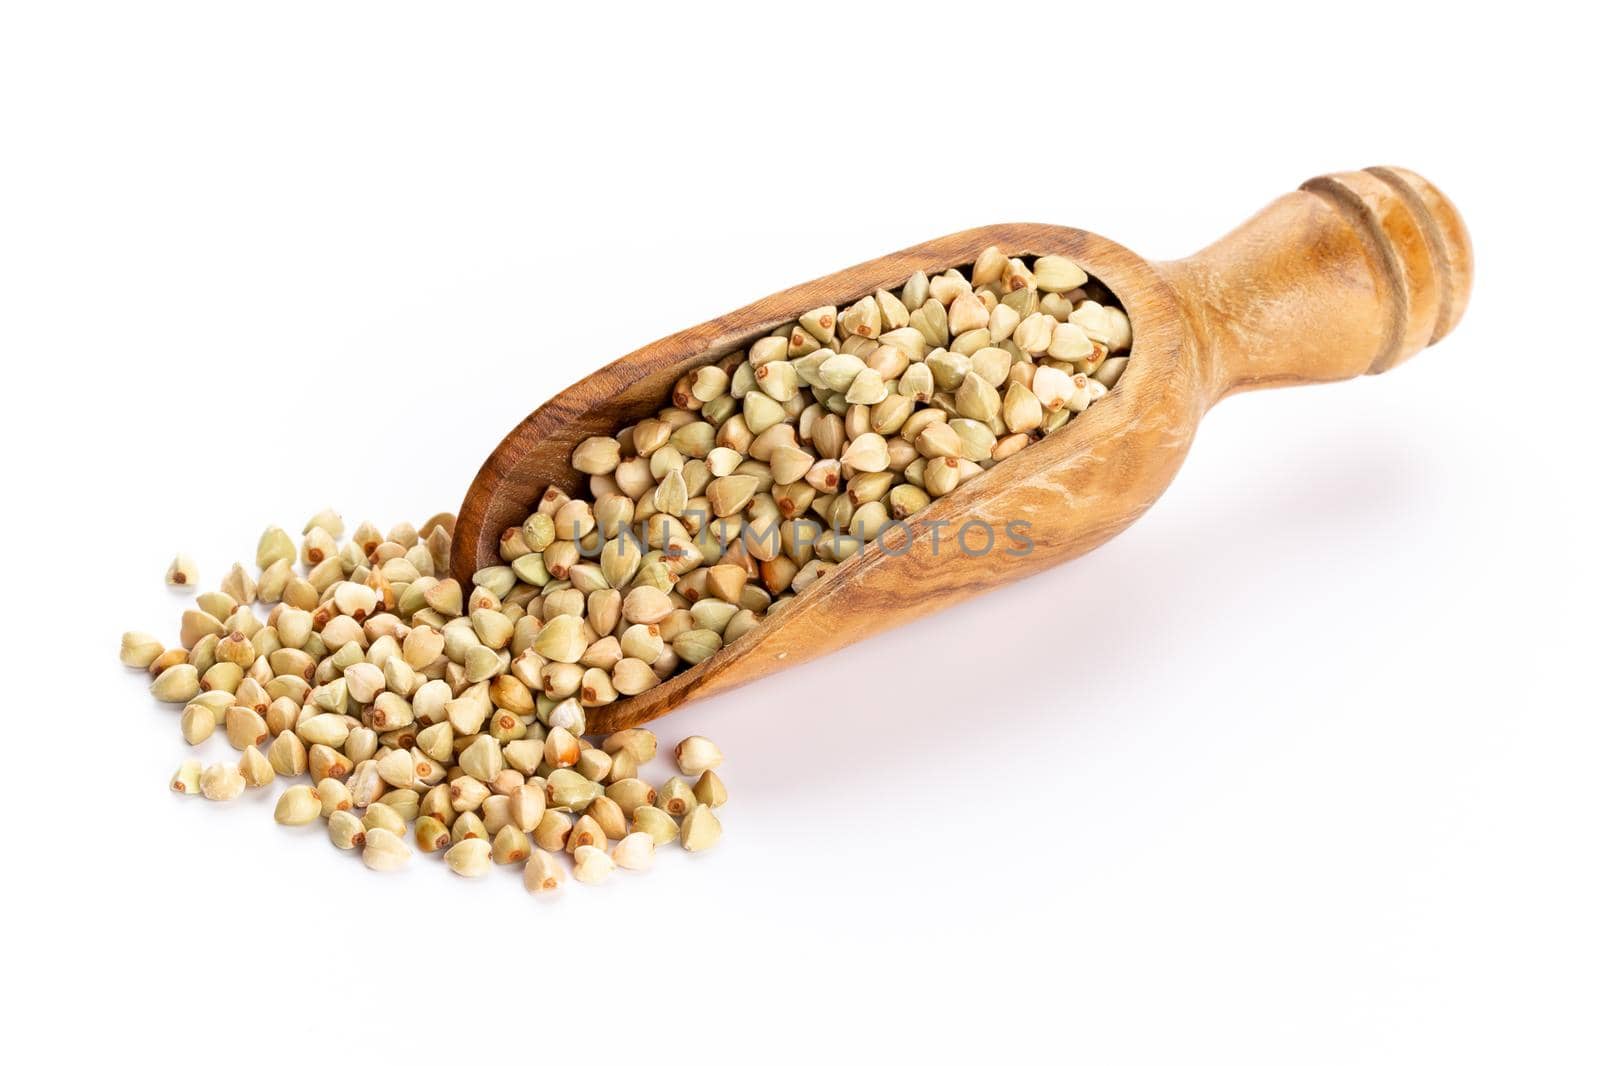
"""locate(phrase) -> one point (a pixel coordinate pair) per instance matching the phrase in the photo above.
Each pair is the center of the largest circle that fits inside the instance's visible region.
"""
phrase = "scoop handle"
(1350, 274)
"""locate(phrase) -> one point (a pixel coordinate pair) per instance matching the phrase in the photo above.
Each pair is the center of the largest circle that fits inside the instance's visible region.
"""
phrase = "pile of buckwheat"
(422, 717)
(434, 718)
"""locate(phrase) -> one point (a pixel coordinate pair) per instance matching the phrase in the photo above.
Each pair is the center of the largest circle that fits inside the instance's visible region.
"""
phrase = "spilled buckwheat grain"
(424, 716)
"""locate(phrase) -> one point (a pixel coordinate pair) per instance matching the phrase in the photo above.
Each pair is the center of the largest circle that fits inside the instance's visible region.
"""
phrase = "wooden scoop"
(1351, 274)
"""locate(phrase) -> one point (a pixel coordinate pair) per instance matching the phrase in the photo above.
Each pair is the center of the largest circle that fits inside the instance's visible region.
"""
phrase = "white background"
(1300, 769)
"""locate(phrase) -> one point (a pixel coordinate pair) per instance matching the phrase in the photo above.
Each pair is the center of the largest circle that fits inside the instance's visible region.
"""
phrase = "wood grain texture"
(1352, 273)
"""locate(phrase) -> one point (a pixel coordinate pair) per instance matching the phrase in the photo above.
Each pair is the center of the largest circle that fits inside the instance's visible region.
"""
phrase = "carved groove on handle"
(1433, 233)
(1425, 271)
(1364, 220)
